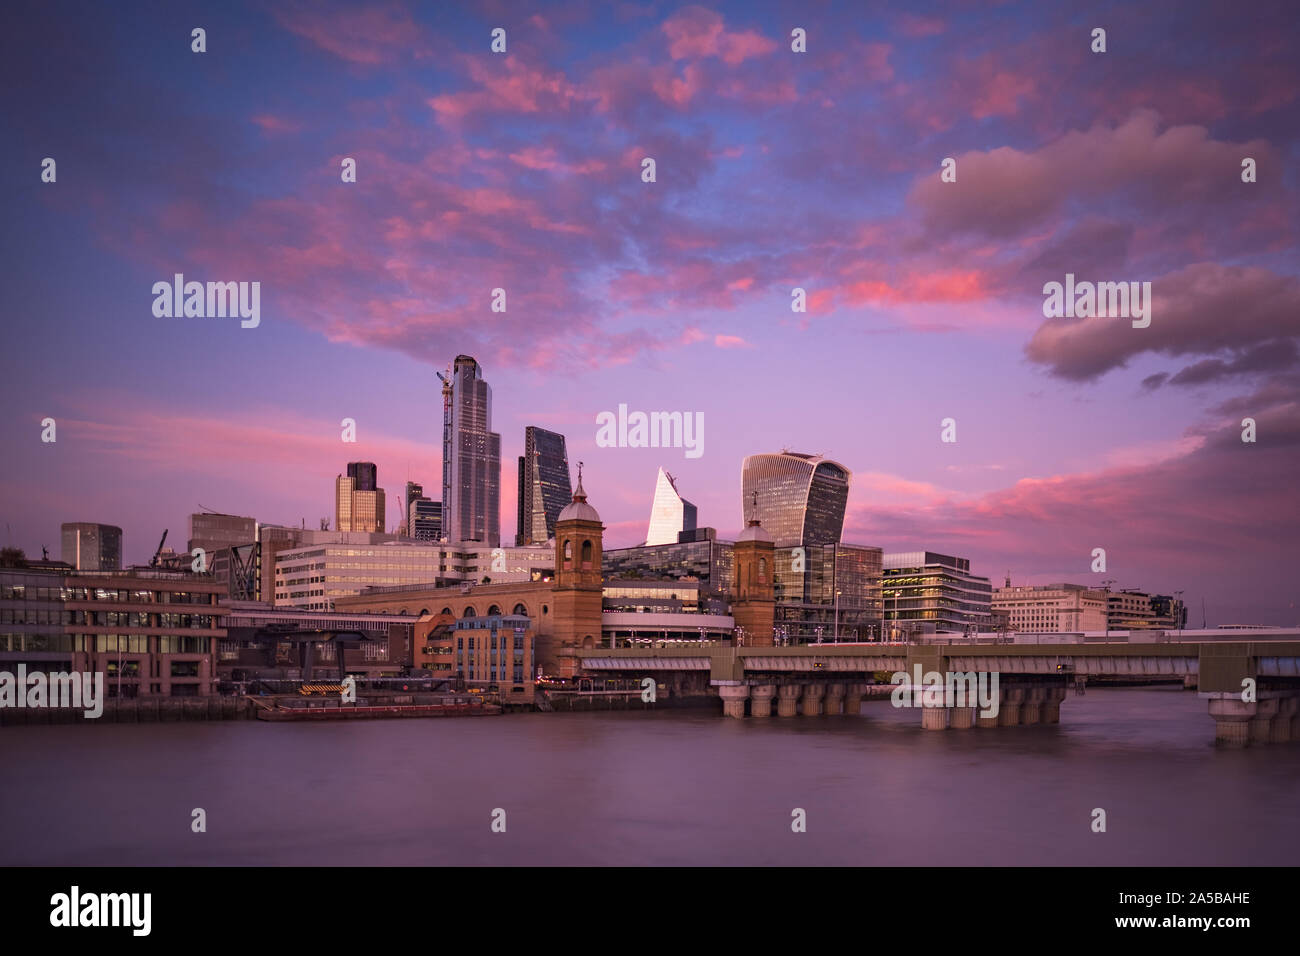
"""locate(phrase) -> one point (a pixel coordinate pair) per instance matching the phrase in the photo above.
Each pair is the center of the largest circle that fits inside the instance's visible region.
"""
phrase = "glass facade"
(357, 509)
(471, 458)
(670, 513)
(799, 499)
(707, 559)
(544, 485)
(928, 593)
(92, 547)
(806, 586)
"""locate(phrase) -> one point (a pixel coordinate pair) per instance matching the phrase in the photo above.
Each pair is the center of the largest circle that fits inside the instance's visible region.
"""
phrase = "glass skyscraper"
(544, 485)
(670, 514)
(471, 457)
(799, 499)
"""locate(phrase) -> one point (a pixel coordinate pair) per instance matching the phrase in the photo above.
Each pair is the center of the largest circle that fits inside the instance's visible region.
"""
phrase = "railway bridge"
(1252, 688)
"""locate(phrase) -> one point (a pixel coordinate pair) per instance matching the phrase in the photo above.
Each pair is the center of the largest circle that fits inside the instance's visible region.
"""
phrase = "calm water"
(661, 788)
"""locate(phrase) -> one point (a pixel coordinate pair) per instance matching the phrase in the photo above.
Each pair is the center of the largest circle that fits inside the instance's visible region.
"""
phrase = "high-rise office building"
(364, 474)
(356, 508)
(1050, 608)
(544, 485)
(92, 547)
(670, 514)
(424, 520)
(471, 457)
(926, 593)
(799, 499)
(213, 532)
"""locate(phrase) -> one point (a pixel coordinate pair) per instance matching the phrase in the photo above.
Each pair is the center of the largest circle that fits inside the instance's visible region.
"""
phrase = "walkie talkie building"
(799, 499)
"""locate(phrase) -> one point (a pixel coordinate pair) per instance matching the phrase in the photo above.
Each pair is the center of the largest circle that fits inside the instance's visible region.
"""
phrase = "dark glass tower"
(471, 457)
(364, 474)
(544, 485)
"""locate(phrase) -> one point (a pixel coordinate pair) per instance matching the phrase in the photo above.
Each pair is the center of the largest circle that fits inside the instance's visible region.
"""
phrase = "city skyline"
(1070, 437)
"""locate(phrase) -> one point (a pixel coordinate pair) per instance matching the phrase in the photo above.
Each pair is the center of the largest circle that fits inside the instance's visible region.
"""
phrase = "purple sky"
(774, 170)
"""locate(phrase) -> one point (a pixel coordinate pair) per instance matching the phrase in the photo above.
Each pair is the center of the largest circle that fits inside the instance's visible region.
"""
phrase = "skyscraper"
(359, 508)
(471, 457)
(799, 499)
(670, 514)
(92, 547)
(544, 485)
(364, 474)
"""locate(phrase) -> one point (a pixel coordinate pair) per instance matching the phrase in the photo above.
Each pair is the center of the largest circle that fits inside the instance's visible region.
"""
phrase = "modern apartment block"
(1051, 608)
(150, 632)
(670, 513)
(88, 546)
(471, 457)
(545, 486)
(358, 501)
(928, 593)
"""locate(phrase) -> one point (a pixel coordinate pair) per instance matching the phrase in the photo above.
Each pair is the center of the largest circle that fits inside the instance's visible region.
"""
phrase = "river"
(668, 787)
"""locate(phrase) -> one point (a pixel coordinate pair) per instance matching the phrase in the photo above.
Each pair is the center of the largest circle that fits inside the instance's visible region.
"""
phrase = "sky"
(774, 169)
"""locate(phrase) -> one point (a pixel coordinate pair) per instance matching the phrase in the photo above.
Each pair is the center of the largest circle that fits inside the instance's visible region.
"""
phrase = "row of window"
(20, 592)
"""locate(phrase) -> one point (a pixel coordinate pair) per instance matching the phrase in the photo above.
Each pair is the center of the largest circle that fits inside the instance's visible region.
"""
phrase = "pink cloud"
(696, 32)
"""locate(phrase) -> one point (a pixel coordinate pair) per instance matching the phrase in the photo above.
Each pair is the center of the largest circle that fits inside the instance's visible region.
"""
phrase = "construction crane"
(153, 563)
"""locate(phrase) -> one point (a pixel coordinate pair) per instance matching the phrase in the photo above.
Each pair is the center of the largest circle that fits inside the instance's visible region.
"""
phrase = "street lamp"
(837, 617)
(1178, 612)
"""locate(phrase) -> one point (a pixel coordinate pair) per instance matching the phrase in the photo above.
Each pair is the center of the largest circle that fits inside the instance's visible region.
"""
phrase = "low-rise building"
(1051, 608)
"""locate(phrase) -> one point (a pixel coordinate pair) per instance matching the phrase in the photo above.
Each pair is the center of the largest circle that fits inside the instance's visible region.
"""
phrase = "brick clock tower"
(753, 598)
(578, 587)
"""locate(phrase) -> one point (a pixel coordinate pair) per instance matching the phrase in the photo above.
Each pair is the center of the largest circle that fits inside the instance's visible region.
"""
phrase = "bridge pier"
(934, 718)
(733, 699)
(1232, 718)
(995, 720)
(1279, 729)
(812, 699)
(1032, 708)
(787, 700)
(962, 718)
(1295, 721)
(1051, 708)
(1009, 710)
(760, 700)
(1265, 711)
(853, 699)
(834, 699)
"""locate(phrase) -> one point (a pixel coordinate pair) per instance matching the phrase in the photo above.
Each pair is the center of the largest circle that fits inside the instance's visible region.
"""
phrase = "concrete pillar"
(760, 700)
(934, 718)
(853, 699)
(1050, 710)
(982, 721)
(733, 699)
(1295, 720)
(1031, 709)
(962, 718)
(834, 699)
(812, 699)
(1012, 700)
(1232, 718)
(787, 700)
(1265, 711)
(1189, 682)
(1279, 729)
